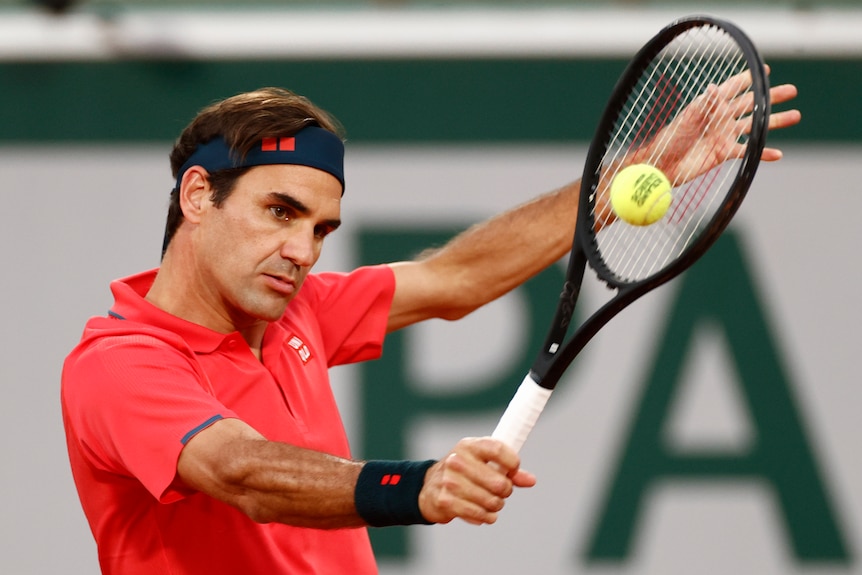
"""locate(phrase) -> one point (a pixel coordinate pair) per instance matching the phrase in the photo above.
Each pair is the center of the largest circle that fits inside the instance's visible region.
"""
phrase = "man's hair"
(243, 121)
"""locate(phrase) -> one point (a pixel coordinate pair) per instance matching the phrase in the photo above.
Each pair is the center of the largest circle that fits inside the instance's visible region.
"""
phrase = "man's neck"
(177, 295)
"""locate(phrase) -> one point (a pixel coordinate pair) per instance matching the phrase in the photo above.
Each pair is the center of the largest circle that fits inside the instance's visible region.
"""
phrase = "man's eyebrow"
(290, 201)
(300, 207)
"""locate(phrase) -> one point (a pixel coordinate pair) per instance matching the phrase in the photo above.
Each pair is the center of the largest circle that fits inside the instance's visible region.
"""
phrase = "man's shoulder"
(361, 278)
(110, 332)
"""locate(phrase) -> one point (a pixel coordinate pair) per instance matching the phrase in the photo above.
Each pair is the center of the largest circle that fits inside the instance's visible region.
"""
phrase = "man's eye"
(321, 232)
(279, 212)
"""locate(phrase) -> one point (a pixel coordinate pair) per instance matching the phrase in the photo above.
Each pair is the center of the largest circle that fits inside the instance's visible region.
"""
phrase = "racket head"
(662, 84)
(690, 65)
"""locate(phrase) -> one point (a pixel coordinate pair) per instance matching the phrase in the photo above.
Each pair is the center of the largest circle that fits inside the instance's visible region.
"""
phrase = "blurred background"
(710, 429)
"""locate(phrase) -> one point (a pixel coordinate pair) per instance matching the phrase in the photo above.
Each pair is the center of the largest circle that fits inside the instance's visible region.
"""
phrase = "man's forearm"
(487, 260)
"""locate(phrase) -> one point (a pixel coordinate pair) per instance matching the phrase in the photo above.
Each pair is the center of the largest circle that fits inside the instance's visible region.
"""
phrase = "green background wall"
(489, 100)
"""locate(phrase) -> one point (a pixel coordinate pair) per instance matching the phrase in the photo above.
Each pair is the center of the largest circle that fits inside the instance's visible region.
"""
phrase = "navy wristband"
(387, 492)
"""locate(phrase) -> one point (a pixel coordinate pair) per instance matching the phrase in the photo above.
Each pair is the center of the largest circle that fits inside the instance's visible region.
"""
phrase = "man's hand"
(705, 133)
(472, 482)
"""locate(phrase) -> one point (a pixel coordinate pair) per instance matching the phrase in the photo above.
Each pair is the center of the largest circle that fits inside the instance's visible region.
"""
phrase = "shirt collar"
(130, 304)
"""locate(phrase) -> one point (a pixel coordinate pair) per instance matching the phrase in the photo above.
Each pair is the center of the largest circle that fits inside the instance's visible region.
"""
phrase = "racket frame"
(556, 355)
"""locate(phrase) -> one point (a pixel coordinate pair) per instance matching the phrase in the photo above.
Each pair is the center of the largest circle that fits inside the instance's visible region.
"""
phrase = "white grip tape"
(522, 413)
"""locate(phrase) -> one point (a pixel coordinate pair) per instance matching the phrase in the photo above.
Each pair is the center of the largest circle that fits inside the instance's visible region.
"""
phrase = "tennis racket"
(693, 102)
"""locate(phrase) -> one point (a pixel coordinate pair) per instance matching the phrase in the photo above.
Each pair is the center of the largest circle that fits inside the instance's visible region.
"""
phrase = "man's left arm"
(492, 258)
(486, 261)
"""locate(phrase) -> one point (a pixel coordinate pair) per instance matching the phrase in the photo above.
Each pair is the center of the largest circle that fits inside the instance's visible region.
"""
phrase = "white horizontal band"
(234, 33)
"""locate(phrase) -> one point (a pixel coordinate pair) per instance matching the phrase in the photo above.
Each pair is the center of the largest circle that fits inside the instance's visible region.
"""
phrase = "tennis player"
(201, 428)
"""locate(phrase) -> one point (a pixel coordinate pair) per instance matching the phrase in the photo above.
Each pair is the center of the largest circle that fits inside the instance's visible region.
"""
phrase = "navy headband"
(311, 146)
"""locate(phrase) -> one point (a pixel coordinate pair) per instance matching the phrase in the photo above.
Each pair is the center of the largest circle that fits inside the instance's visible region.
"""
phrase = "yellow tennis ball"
(640, 194)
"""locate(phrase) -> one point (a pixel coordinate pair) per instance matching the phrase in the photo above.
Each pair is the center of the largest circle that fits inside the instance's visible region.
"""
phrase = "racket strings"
(694, 74)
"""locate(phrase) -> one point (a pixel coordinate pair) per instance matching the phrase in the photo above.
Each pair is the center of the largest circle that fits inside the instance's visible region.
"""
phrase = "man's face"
(254, 252)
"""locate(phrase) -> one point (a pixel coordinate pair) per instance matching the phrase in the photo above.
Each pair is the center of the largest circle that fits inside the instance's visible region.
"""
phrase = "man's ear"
(195, 192)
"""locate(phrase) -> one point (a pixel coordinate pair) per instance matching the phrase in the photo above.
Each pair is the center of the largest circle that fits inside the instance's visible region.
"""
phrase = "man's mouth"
(281, 284)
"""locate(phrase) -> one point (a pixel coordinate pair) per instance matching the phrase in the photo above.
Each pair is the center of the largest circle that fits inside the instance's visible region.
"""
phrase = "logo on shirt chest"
(300, 348)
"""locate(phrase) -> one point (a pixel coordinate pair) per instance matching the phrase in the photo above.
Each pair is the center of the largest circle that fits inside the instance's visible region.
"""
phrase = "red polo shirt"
(142, 382)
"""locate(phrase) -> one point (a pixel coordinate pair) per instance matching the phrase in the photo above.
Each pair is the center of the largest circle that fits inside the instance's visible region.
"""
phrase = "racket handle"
(522, 413)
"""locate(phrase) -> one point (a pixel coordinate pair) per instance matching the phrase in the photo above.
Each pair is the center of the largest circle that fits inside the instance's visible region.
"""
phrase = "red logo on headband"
(278, 144)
